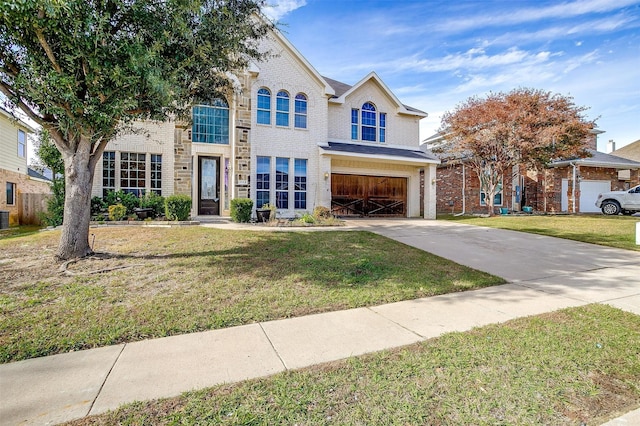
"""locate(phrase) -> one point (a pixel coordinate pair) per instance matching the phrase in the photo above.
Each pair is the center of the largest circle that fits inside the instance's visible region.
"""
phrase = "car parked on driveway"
(616, 202)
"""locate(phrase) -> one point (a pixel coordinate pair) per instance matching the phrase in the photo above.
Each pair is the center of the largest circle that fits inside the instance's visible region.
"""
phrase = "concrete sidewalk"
(545, 274)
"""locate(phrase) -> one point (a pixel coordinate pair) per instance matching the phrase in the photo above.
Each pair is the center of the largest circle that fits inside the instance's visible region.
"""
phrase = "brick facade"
(542, 191)
(24, 185)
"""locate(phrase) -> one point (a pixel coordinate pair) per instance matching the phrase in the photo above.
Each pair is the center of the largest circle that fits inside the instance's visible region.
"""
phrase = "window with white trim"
(211, 122)
(263, 177)
(354, 124)
(108, 172)
(282, 183)
(133, 173)
(300, 110)
(264, 106)
(368, 126)
(11, 194)
(22, 143)
(282, 109)
(156, 173)
(300, 183)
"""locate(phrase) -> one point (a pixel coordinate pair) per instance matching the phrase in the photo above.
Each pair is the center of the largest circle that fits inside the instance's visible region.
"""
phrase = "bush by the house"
(321, 212)
(241, 209)
(55, 205)
(151, 200)
(98, 206)
(127, 199)
(177, 207)
(307, 218)
(117, 212)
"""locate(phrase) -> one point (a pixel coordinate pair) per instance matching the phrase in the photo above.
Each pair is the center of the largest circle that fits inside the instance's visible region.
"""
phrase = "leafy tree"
(86, 69)
(50, 158)
(523, 127)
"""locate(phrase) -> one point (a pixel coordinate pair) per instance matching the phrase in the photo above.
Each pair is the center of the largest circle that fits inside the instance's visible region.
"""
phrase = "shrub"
(117, 212)
(241, 209)
(55, 205)
(127, 199)
(321, 212)
(151, 200)
(177, 207)
(307, 218)
(98, 205)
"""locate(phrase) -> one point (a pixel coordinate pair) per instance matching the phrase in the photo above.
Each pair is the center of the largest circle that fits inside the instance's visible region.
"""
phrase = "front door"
(209, 179)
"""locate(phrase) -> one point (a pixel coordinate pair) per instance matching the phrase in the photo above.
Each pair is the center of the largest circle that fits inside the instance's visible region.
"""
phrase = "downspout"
(573, 189)
(464, 200)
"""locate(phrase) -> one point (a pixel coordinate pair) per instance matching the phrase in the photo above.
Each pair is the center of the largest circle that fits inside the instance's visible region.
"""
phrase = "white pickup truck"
(616, 202)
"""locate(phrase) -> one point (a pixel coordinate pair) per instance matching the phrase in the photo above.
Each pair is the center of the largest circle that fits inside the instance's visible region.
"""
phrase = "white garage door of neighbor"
(589, 190)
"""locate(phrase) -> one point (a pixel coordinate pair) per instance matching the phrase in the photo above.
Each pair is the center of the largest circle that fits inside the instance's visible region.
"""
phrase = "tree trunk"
(74, 241)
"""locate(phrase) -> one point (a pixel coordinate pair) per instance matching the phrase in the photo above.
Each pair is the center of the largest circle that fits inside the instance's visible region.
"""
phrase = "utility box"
(4, 219)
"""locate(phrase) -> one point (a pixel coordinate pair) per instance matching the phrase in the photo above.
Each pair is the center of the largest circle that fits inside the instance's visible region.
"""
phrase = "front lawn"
(612, 231)
(182, 280)
(571, 367)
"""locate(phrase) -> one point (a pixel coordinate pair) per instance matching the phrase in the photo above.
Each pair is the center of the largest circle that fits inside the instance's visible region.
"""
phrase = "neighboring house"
(565, 186)
(16, 181)
(287, 136)
(630, 152)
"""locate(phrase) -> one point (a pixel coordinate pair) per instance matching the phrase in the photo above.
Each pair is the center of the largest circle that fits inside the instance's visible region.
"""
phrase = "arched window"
(282, 108)
(300, 118)
(368, 122)
(211, 122)
(264, 106)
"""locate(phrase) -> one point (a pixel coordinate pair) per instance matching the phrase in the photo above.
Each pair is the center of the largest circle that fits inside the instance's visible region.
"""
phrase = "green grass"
(612, 231)
(183, 280)
(576, 366)
(19, 231)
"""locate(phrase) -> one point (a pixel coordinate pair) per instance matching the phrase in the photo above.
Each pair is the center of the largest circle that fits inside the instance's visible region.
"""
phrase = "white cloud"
(559, 11)
(276, 9)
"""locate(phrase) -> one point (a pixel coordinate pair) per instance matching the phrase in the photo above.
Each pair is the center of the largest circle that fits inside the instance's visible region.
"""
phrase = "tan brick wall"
(24, 185)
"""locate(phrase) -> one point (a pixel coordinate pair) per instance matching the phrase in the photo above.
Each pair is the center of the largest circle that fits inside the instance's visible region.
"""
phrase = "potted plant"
(266, 213)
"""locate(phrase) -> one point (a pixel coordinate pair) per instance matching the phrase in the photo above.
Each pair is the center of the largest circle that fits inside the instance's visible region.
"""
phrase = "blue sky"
(435, 54)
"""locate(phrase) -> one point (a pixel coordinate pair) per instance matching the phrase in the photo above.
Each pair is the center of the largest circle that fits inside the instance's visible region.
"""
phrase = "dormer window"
(368, 125)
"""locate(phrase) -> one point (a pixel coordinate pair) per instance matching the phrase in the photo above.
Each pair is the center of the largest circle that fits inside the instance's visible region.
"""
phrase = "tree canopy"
(526, 127)
(85, 69)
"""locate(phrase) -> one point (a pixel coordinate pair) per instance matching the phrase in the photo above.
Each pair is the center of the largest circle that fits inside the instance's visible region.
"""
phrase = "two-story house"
(16, 180)
(284, 135)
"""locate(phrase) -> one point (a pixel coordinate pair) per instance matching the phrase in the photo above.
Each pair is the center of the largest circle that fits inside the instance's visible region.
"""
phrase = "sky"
(434, 55)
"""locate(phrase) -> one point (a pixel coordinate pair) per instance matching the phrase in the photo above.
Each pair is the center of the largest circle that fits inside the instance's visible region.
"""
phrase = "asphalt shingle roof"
(378, 150)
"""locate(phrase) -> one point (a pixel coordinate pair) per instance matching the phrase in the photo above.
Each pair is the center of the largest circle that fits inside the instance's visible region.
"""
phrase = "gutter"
(573, 187)
(464, 200)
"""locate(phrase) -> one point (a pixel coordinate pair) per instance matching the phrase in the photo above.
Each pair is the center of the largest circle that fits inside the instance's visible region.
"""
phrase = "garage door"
(589, 190)
(358, 195)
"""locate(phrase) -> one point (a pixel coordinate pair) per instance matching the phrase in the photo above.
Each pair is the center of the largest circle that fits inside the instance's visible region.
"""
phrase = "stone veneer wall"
(242, 149)
(183, 166)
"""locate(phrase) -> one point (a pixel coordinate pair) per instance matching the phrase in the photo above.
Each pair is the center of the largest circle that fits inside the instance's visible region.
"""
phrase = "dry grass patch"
(164, 281)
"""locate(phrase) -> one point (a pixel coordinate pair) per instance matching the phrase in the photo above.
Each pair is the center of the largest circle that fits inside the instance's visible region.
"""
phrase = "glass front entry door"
(209, 191)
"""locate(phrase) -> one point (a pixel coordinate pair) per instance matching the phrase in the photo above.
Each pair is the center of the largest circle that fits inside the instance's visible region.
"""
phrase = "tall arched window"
(300, 118)
(264, 106)
(282, 108)
(368, 122)
(211, 122)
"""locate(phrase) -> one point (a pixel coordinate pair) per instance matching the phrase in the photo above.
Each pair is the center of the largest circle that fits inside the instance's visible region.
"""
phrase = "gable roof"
(342, 90)
(600, 159)
(377, 151)
(631, 151)
(284, 42)
(17, 120)
(35, 174)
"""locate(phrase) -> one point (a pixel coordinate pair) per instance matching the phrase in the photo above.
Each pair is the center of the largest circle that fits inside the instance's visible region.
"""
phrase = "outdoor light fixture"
(433, 181)
(326, 175)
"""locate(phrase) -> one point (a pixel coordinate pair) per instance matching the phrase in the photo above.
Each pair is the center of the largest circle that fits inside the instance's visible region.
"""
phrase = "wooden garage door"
(357, 195)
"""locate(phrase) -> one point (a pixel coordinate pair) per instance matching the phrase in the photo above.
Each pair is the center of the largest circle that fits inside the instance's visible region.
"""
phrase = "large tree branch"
(45, 44)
